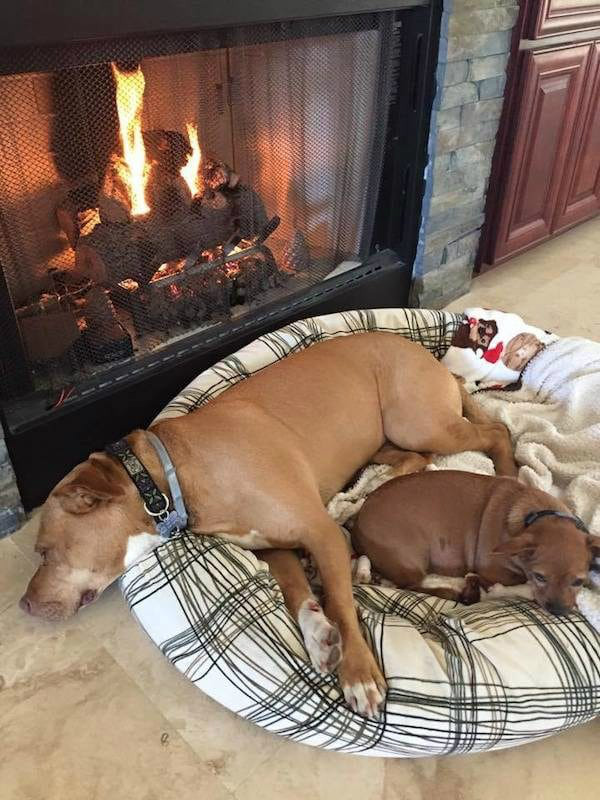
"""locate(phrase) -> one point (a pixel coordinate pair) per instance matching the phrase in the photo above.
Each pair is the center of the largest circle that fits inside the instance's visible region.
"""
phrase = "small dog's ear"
(86, 488)
(516, 546)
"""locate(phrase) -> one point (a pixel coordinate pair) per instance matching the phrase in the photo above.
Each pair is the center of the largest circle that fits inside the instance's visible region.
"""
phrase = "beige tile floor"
(89, 710)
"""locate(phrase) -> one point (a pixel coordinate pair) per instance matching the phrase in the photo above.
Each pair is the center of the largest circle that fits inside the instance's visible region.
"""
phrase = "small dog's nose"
(25, 605)
(558, 609)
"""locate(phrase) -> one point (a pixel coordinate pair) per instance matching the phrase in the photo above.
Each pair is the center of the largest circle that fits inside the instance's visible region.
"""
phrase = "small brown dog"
(454, 523)
(256, 466)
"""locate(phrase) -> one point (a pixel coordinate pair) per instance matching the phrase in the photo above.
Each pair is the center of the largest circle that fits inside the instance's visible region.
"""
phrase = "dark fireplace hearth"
(167, 196)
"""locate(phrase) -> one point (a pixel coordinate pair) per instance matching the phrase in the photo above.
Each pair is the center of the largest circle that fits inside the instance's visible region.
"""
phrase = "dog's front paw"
(472, 591)
(362, 570)
(363, 684)
(523, 591)
(321, 637)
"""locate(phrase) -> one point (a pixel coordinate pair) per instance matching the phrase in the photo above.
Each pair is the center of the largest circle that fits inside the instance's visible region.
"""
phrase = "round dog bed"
(461, 679)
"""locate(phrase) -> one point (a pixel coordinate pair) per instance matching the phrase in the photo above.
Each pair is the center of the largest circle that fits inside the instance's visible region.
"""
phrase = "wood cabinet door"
(551, 93)
(562, 16)
(579, 195)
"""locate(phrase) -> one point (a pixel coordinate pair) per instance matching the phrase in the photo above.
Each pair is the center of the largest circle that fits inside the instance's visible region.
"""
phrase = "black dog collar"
(533, 516)
(156, 504)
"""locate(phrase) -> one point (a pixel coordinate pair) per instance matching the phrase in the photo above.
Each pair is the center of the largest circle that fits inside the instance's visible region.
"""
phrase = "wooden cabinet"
(551, 96)
(562, 16)
(546, 168)
(579, 195)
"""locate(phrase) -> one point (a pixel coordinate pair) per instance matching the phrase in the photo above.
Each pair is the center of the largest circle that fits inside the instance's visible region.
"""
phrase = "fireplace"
(166, 196)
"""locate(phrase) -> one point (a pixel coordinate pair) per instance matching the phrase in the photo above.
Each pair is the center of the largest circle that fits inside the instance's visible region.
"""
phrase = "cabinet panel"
(551, 92)
(579, 196)
(562, 16)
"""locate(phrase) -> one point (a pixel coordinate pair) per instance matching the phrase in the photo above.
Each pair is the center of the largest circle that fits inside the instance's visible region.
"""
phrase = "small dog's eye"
(43, 554)
(539, 577)
(578, 582)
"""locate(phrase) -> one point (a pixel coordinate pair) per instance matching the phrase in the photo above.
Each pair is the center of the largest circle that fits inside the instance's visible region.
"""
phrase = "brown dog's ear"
(88, 487)
(517, 546)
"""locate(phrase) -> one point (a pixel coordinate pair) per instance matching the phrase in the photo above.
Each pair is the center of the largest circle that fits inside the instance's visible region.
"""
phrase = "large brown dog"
(455, 523)
(256, 466)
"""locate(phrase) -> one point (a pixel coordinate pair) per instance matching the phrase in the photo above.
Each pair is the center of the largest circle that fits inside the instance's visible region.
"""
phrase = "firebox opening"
(145, 199)
(164, 195)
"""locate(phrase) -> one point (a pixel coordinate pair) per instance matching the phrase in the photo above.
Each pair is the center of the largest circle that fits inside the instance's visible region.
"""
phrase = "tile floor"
(90, 711)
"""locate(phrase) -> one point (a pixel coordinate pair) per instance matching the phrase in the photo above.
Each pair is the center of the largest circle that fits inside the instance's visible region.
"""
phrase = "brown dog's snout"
(50, 597)
(25, 604)
(47, 610)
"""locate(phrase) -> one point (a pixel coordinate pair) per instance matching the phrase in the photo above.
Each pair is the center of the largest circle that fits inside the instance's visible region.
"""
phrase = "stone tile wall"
(474, 49)
(11, 510)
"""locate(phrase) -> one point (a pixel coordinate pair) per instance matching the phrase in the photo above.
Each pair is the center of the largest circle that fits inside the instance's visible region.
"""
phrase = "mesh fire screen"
(151, 188)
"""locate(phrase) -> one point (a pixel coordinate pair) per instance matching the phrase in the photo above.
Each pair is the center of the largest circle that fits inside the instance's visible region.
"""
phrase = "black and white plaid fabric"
(460, 679)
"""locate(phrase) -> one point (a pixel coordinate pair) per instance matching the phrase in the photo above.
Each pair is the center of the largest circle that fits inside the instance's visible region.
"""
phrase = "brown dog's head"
(85, 538)
(556, 558)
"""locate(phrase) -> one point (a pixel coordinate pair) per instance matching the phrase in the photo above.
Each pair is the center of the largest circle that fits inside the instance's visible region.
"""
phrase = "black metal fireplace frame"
(67, 435)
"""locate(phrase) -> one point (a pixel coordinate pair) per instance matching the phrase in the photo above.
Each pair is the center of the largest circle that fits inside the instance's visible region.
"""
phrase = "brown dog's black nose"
(556, 608)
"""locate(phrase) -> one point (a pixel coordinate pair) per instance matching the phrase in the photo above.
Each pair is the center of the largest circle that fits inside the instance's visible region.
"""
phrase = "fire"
(133, 169)
(190, 171)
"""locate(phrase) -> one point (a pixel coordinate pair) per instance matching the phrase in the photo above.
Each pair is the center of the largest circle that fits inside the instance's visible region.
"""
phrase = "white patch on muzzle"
(139, 546)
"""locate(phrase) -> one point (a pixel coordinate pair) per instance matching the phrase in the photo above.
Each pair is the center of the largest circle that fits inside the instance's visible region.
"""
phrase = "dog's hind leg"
(446, 433)
(321, 637)
(403, 461)
(471, 408)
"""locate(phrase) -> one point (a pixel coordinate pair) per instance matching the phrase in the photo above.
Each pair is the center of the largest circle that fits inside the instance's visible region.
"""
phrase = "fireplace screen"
(153, 188)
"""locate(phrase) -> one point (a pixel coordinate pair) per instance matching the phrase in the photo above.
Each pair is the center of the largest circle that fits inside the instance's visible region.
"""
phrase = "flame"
(133, 168)
(190, 171)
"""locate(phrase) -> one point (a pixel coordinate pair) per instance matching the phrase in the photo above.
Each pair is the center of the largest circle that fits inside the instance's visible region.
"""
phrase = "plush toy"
(492, 348)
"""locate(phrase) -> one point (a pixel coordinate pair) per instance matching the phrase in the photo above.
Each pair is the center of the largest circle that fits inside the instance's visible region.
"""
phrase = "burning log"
(168, 192)
(48, 336)
(77, 213)
(113, 203)
(170, 150)
(125, 247)
(168, 195)
(230, 203)
(106, 338)
(113, 252)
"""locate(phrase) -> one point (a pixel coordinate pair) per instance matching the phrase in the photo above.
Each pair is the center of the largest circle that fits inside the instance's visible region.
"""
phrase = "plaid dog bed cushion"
(460, 678)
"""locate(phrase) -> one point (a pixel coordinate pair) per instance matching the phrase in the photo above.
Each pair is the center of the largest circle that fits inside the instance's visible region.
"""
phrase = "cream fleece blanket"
(554, 420)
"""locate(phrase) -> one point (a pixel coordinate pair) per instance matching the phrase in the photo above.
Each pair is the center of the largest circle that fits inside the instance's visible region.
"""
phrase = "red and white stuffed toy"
(492, 348)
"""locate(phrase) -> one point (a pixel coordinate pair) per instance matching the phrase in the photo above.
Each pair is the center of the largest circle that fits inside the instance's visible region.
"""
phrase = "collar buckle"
(162, 514)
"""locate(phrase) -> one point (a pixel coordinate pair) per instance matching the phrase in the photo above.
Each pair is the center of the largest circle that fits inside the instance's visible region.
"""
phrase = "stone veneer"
(474, 50)
(473, 55)
(11, 510)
